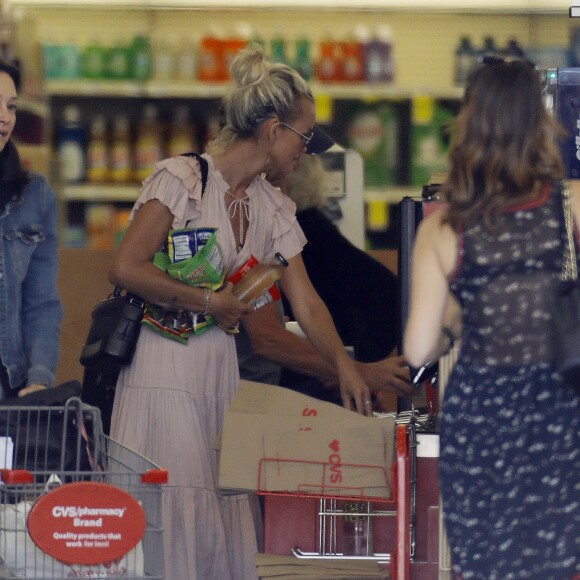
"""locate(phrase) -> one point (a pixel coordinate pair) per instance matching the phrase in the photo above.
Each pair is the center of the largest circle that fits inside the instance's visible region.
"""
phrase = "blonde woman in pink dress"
(170, 401)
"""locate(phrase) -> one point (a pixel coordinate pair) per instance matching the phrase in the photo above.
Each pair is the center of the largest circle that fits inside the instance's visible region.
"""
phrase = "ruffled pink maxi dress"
(170, 402)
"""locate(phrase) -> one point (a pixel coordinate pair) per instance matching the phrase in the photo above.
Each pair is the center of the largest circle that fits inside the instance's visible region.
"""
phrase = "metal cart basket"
(313, 528)
(56, 465)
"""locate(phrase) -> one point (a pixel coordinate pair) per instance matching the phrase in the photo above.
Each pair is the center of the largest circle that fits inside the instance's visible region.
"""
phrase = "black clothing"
(360, 293)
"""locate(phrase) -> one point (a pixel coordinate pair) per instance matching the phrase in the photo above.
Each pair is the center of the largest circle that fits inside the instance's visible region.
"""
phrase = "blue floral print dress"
(509, 465)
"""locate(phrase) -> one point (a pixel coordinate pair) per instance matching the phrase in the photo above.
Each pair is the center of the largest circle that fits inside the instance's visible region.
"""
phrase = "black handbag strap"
(569, 269)
(203, 165)
(133, 298)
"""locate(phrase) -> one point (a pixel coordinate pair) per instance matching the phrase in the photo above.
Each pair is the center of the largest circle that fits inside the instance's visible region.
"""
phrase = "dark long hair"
(503, 144)
(13, 175)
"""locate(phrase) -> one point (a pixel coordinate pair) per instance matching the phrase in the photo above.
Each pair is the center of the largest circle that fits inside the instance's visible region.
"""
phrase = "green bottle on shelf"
(140, 58)
(93, 61)
(303, 59)
(118, 62)
(278, 49)
(70, 65)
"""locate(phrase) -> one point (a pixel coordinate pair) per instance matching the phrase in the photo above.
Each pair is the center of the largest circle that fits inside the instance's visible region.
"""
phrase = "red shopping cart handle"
(16, 476)
(155, 476)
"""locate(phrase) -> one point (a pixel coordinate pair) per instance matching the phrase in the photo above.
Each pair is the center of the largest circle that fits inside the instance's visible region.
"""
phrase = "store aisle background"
(424, 45)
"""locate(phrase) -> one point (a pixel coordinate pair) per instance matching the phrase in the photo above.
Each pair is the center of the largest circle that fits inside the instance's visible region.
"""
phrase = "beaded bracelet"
(446, 331)
(207, 301)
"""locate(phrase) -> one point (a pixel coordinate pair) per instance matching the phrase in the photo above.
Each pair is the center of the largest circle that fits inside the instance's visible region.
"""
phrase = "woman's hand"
(226, 308)
(356, 395)
(390, 374)
(31, 389)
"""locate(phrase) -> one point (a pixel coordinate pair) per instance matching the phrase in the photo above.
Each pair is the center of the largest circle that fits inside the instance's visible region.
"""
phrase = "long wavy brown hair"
(503, 144)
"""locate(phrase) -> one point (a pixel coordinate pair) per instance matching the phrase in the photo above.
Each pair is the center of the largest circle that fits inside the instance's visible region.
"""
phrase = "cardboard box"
(291, 568)
(277, 440)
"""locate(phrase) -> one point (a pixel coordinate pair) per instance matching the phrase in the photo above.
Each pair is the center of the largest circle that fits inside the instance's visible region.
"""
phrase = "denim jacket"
(30, 309)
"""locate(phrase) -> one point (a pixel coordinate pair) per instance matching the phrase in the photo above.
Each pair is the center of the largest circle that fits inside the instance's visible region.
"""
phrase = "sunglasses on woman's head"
(493, 59)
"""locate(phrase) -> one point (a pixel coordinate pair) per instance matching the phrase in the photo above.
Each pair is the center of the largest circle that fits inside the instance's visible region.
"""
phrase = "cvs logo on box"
(335, 462)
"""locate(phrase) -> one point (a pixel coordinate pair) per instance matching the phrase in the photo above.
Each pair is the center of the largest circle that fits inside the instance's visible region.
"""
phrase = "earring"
(264, 172)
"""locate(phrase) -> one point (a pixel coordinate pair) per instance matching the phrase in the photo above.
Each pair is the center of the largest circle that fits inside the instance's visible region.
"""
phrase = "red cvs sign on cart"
(86, 523)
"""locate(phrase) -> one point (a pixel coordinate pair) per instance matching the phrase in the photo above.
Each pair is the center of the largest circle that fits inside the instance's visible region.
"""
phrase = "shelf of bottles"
(354, 83)
(203, 90)
(96, 192)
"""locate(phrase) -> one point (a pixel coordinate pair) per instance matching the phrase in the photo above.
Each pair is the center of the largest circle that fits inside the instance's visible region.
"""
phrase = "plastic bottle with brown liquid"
(182, 137)
(97, 154)
(119, 155)
(148, 143)
(259, 279)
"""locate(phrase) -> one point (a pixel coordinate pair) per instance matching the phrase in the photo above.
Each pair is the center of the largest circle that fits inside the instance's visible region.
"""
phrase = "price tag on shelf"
(422, 110)
(323, 104)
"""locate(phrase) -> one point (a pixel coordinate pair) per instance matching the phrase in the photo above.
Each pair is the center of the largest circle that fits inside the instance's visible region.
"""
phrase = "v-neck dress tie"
(240, 206)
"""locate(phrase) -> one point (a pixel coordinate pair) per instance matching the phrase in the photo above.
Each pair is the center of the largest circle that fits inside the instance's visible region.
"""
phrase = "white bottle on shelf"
(186, 60)
(163, 58)
(71, 142)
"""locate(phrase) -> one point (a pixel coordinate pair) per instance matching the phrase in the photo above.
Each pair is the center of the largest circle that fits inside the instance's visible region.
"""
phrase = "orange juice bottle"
(352, 67)
(327, 67)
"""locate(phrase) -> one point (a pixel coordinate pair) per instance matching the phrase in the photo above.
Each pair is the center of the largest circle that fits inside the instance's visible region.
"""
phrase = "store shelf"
(38, 108)
(366, 91)
(101, 192)
(90, 88)
(184, 89)
(196, 89)
(136, 89)
(392, 194)
(129, 192)
(480, 6)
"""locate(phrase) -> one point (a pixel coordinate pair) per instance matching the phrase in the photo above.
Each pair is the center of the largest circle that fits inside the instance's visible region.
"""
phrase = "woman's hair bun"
(249, 67)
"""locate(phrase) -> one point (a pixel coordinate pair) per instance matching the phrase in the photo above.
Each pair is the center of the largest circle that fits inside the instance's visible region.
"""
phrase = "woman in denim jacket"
(30, 310)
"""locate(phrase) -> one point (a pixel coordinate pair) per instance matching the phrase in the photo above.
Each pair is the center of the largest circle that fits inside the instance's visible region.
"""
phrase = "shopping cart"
(313, 528)
(74, 503)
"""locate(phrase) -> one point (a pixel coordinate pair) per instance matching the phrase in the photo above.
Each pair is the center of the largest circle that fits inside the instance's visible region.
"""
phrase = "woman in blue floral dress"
(485, 269)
